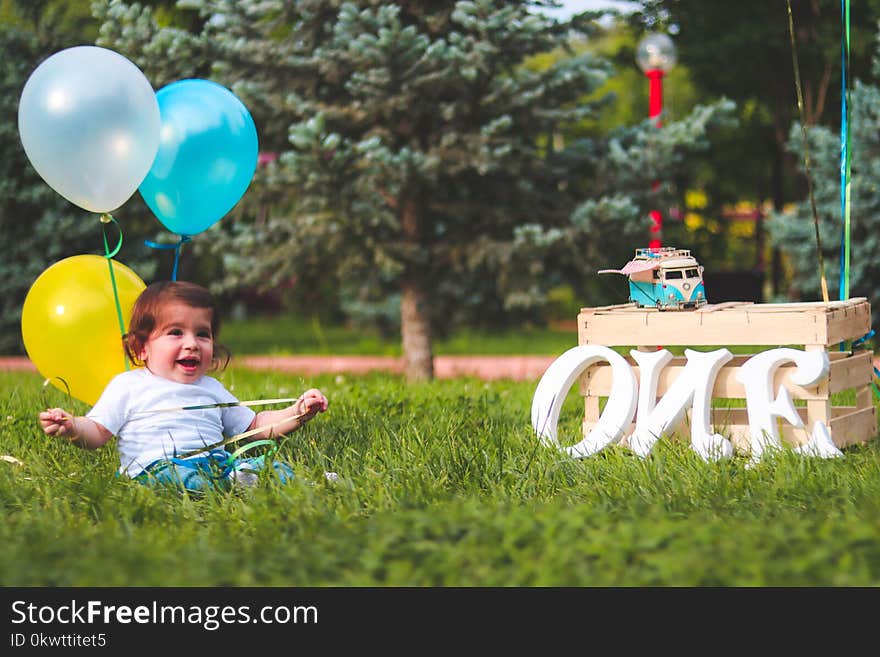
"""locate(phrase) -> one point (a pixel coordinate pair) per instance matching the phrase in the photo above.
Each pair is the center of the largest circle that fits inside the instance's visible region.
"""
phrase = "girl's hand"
(57, 422)
(310, 404)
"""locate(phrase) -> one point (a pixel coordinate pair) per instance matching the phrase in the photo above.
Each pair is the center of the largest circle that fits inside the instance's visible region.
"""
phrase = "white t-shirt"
(147, 437)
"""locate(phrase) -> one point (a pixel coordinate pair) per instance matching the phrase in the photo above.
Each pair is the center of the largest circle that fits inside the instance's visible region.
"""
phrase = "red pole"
(655, 107)
(655, 93)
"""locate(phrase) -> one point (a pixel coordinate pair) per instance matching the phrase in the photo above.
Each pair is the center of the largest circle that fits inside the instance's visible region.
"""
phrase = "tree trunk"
(415, 315)
(415, 330)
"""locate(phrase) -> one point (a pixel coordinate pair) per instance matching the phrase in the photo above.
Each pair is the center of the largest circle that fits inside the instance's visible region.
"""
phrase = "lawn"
(284, 334)
(441, 484)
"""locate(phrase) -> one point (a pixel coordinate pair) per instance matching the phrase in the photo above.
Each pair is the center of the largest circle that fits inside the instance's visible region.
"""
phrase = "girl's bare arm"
(80, 430)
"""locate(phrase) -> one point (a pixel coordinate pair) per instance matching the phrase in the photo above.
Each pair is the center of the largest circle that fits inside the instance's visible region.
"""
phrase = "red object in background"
(655, 93)
(655, 107)
(656, 227)
(265, 157)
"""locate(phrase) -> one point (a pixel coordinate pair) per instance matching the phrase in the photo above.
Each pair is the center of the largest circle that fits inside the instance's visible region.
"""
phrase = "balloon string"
(242, 436)
(108, 254)
(800, 102)
(229, 463)
(271, 444)
(106, 219)
(156, 245)
(201, 407)
(46, 383)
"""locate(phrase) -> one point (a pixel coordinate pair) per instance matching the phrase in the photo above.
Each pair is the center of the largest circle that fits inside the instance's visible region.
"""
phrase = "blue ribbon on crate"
(860, 343)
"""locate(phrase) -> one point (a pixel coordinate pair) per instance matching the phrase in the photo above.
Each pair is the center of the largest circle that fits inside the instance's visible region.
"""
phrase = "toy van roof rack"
(662, 252)
(648, 258)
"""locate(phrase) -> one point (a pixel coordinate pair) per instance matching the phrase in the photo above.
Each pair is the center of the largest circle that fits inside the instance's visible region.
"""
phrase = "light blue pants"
(215, 470)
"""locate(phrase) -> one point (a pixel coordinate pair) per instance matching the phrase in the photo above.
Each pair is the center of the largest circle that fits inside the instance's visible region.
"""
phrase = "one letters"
(630, 399)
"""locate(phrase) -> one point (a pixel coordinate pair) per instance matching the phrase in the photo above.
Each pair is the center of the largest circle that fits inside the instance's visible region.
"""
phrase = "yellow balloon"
(70, 326)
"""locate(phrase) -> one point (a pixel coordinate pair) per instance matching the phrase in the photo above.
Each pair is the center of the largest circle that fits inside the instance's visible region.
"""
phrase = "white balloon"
(89, 122)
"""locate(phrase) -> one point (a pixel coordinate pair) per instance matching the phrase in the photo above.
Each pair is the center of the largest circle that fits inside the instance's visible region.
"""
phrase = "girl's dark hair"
(148, 309)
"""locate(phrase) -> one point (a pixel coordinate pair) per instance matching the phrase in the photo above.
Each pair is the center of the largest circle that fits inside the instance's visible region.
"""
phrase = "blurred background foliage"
(739, 204)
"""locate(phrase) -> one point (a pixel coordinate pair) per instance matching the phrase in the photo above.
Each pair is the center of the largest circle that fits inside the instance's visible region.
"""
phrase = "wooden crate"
(763, 326)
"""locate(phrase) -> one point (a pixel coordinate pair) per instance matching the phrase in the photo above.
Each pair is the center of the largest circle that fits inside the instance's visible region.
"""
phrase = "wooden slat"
(845, 373)
(849, 322)
(715, 307)
(819, 410)
(853, 427)
(853, 371)
(799, 306)
(619, 306)
(864, 398)
(749, 324)
(591, 409)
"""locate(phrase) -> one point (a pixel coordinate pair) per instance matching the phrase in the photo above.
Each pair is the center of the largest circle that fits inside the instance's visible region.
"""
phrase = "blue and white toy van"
(665, 278)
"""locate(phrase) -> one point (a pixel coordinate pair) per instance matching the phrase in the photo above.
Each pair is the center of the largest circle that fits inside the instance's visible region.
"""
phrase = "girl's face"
(181, 347)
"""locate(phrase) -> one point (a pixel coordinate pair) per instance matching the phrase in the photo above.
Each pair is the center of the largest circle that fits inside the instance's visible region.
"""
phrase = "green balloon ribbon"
(271, 444)
(108, 253)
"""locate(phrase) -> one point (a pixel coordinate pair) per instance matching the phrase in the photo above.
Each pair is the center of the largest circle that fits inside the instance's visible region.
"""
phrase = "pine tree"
(37, 225)
(418, 157)
(794, 231)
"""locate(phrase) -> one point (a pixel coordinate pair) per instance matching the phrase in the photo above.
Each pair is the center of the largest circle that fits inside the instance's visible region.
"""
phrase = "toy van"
(665, 278)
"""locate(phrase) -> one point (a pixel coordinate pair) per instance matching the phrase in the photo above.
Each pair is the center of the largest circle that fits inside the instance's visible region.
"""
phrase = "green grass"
(281, 335)
(442, 484)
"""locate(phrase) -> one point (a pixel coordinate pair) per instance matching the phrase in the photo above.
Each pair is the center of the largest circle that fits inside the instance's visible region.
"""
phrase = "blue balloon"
(206, 159)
